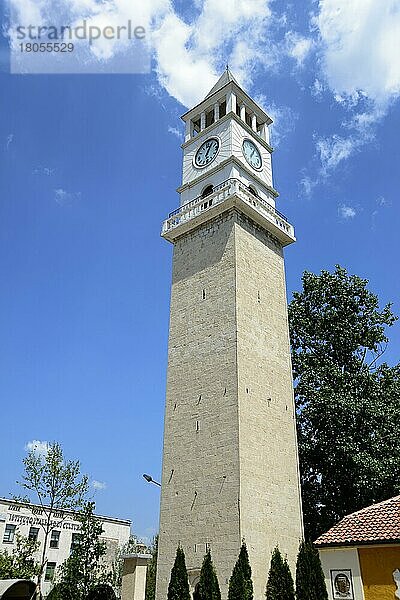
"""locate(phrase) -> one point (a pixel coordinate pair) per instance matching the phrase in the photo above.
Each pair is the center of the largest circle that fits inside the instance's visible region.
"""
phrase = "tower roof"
(225, 78)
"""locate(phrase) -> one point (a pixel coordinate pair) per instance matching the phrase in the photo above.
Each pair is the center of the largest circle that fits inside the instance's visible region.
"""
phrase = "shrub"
(178, 588)
(310, 580)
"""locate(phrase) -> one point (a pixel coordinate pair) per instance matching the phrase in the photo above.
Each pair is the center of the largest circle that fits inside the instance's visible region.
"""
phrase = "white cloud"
(308, 184)
(64, 198)
(47, 171)
(383, 202)
(10, 139)
(317, 89)
(28, 11)
(361, 48)
(175, 131)
(98, 485)
(333, 150)
(298, 47)
(284, 119)
(347, 212)
(37, 446)
(189, 55)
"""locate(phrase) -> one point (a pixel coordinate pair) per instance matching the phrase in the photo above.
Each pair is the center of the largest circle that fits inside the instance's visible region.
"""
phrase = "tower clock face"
(252, 154)
(207, 152)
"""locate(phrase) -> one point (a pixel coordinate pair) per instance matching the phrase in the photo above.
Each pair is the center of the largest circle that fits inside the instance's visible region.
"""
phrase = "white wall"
(338, 559)
(116, 531)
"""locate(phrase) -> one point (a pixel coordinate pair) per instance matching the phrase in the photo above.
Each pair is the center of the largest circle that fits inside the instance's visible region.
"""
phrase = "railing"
(220, 193)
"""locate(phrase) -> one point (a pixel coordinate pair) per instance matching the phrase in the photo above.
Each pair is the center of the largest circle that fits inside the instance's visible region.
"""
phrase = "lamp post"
(149, 479)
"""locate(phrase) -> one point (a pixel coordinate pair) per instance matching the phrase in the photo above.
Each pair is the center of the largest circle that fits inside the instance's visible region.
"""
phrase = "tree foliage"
(20, 563)
(280, 584)
(84, 569)
(208, 588)
(178, 588)
(118, 564)
(54, 593)
(346, 398)
(55, 484)
(240, 583)
(102, 591)
(310, 581)
(151, 573)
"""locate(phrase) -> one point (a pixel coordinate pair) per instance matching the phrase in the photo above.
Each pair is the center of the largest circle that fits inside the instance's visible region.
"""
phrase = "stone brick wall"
(230, 458)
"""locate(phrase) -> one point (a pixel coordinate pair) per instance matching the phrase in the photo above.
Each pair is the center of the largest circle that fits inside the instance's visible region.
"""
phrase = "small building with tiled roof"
(360, 555)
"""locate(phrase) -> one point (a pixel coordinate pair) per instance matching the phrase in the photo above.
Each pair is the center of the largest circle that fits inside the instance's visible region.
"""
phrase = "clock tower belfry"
(230, 464)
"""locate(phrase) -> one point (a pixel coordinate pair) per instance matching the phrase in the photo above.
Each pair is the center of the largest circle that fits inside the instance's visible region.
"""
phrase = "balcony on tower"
(228, 195)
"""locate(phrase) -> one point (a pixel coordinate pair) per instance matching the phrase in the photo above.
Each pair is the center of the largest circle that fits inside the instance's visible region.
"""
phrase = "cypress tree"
(151, 573)
(178, 588)
(240, 583)
(280, 584)
(288, 579)
(310, 581)
(208, 586)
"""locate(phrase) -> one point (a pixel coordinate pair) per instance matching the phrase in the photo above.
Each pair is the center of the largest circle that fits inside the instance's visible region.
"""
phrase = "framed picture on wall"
(342, 584)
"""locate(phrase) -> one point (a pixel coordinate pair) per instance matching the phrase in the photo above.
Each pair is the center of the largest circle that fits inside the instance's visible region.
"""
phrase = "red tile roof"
(379, 523)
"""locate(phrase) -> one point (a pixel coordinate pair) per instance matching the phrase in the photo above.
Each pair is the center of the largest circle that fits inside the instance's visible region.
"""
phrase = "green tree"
(178, 588)
(280, 584)
(102, 591)
(152, 571)
(84, 569)
(54, 593)
(310, 581)
(118, 564)
(346, 398)
(208, 588)
(20, 563)
(240, 583)
(56, 485)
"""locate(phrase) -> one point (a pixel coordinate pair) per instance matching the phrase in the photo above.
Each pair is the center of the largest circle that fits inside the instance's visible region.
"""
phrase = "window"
(9, 534)
(33, 533)
(50, 571)
(196, 127)
(210, 118)
(55, 539)
(75, 541)
(248, 118)
(222, 109)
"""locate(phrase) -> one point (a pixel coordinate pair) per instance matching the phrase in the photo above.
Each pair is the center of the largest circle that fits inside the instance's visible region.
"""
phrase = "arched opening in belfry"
(207, 191)
(253, 191)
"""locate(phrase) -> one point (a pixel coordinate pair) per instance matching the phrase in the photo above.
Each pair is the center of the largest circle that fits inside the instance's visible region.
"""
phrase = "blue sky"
(89, 165)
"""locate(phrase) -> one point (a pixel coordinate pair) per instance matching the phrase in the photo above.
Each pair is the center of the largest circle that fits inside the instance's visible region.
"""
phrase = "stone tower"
(230, 466)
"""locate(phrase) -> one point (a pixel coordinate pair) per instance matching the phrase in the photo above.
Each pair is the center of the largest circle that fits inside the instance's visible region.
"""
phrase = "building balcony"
(232, 193)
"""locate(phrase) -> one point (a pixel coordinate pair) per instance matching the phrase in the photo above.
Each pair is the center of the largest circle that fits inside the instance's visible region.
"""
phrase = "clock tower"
(230, 465)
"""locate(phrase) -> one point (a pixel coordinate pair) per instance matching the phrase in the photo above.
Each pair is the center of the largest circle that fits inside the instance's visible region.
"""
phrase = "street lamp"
(149, 479)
